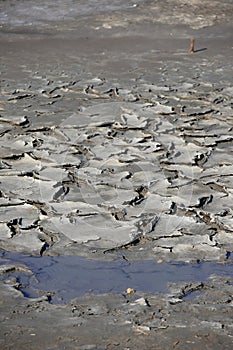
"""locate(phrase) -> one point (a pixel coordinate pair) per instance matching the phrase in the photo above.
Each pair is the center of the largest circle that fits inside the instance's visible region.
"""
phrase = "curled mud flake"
(22, 216)
(26, 164)
(113, 92)
(142, 329)
(141, 196)
(9, 268)
(192, 287)
(119, 214)
(16, 121)
(173, 209)
(20, 97)
(4, 165)
(5, 231)
(174, 300)
(201, 159)
(37, 142)
(162, 109)
(141, 301)
(24, 241)
(128, 95)
(203, 201)
(218, 188)
(146, 224)
(133, 121)
(61, 193)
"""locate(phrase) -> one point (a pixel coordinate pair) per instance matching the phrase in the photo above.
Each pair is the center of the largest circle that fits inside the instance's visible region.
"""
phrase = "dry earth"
(115, 141)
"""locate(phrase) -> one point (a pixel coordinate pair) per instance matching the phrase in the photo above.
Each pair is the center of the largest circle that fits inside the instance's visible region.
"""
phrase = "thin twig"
(191, 48)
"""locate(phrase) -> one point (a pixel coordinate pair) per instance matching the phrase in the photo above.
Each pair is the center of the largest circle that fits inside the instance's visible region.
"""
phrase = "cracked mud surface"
(116, 142)
(99, 164)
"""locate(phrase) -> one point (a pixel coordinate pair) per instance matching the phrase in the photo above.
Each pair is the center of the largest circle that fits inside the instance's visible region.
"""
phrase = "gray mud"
(92, 165)
(192, 315)
(116, 154)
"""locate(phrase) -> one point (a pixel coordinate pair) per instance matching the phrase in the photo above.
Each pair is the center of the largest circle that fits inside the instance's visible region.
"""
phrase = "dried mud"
(116, 145)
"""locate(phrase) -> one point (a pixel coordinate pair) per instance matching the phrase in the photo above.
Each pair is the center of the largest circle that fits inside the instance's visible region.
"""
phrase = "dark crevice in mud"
(44, 208)
(44, 248)
(173, 209)
(203, 201)
(19, 97)
(63, 86)
(118, 214)
(12, 204)
(39, 129)
(142, 191)
(33, 174)
(126, 246)
(191, 290)
(61, 193)
(14, 226)
(65, 277)
(14, 156)
(201, 159)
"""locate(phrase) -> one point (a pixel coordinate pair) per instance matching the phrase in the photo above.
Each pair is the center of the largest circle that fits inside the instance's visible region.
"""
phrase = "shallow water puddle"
(67, 277)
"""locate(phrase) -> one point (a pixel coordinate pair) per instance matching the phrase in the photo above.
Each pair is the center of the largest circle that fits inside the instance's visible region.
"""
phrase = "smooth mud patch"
(66, 277)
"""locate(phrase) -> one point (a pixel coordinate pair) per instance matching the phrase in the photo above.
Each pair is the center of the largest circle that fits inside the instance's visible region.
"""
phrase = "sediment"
(116, 143)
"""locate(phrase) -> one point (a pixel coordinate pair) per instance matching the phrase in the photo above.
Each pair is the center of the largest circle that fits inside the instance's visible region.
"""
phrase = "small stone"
(130, 291)
(141, 329)
(159, 261)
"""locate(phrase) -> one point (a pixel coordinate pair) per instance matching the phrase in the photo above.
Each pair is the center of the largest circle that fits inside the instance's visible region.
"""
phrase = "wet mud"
(115, 173)
(65, 277)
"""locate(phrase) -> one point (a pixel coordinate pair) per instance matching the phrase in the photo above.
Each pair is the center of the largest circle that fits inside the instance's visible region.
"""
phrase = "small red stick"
(191, 48)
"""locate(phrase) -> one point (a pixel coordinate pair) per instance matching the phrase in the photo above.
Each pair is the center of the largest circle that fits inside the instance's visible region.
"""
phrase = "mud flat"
(116, 147)
(192, 315)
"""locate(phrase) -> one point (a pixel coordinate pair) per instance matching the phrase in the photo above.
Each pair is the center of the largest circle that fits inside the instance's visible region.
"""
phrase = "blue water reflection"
(72, 276)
